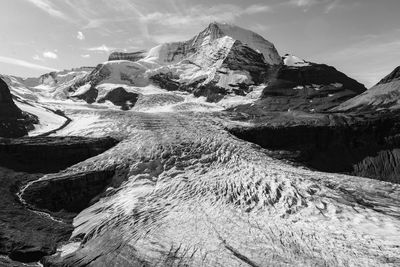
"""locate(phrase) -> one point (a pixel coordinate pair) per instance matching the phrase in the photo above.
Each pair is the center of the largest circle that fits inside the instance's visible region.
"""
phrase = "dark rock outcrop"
(312, 88)
(13, 122)
(100, 73)
(361, 146)
(243, 58)
(120, 97)
(89, 96)
(26, 236)
(134, 56)
(49, 154)
(166, 81)
(71, 193)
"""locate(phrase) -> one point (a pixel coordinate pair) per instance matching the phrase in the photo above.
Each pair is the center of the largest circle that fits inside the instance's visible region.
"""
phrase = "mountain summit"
(170, 52)
(251, 39)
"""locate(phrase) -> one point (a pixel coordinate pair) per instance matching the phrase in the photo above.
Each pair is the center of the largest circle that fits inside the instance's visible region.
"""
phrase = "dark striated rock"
(365, 146)
(312, 88)
(134, 56)
(166, 81)
(212, 92)
(319, 74)
(49, 154)
(120, 97)
(72, 193)
(100, 73)
(243, 58)
(393, 76)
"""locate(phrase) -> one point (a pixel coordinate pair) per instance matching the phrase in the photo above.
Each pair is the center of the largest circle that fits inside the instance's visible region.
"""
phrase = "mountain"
(385, 95)
(305, 86)
(227, 65)
(223, 66)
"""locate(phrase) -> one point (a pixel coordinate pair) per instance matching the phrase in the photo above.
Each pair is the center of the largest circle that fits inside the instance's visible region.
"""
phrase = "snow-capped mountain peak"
(251, 39)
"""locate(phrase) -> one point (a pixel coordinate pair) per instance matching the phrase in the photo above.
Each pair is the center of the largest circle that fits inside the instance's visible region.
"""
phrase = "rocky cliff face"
(134, 56)
(367, 146)
(49, 154)
(71, 193)
(303, 86)
(311, 88)
(13, 122)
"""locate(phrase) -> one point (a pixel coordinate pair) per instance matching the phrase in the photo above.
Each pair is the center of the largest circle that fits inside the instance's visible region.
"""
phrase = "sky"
(359, 37)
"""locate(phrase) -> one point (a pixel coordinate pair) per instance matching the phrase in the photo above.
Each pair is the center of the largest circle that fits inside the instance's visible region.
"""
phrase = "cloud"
(307, 4)
(23, 63)
(48, 7)
(85, 56)
(80, 36)
(198, 15)
(254, 9)
(102, 48)
(49, 54)
(304, 3)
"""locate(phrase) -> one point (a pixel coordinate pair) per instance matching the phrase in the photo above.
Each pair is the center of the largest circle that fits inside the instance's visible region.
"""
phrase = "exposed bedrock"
(68, 192)
(120, 97)
(368, 148)
(13, 122)
(25, 236)
(134, 56)
(49, 154)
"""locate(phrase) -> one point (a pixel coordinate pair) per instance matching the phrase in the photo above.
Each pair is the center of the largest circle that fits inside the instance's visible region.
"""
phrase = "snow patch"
(293, 61)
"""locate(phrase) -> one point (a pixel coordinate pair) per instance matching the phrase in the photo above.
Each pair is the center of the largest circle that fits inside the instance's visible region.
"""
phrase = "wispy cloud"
(50, 55)
(85, 56)
(26, 64)
(257, 8)
(304, 3)
(329, 5)
(49, 8)
(102, 48)
(201, 14)
(80, 36)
